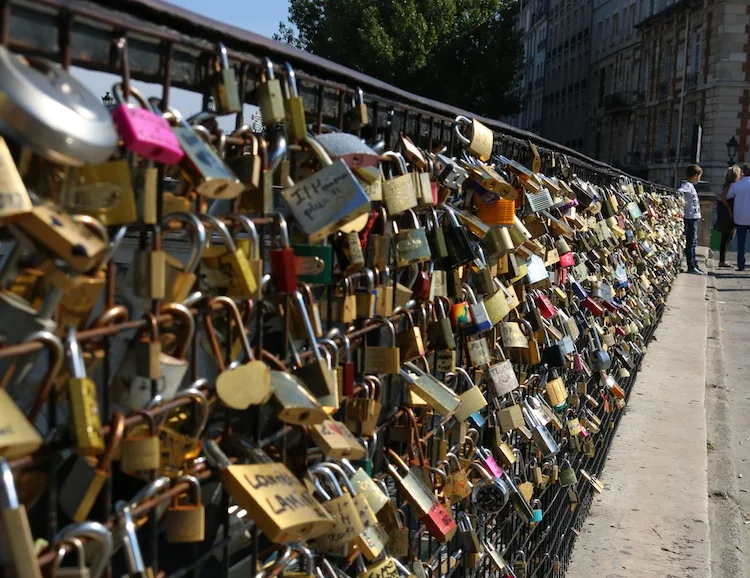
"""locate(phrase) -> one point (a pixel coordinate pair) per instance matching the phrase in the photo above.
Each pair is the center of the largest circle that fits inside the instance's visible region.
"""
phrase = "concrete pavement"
(653, 520)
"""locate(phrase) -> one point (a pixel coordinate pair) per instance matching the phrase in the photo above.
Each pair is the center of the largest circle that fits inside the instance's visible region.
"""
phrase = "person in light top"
(691, 216)
(740, 192)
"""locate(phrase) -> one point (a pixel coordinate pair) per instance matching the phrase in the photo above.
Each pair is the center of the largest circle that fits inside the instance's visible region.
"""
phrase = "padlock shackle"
(116, 433)
(8, 495)
(197, 236)
(338, 471)
(220, 228)
(222, 56)
(194, 490)
(330, 343)
(216, 458)
(336, 332)
(196, 395)
(129, 538)
(231, 307)
(458, 123)
(378, 320)
(93, 531)
(319, 471)
(250, 229)
(74, 354)
(121, 47)
(62, 551)
(314, 345)
(291, 80)
(185, 337)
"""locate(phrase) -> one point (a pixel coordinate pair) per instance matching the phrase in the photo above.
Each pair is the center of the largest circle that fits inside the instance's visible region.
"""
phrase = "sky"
(260, 16)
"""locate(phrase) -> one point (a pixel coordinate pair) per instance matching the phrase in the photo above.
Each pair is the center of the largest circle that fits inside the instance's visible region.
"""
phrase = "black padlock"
(460, 249)
(436, 239)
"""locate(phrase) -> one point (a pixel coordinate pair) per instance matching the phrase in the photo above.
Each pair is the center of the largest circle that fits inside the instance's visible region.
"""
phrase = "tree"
(462, 52)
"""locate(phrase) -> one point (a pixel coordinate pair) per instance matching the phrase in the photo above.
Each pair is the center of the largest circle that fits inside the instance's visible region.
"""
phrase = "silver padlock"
(97, 534)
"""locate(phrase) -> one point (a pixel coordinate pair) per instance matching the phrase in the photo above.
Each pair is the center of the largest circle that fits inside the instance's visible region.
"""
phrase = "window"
(694, 61)
(615, 28)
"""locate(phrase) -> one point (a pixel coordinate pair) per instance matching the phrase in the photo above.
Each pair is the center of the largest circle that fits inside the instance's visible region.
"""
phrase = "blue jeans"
(691, 242)
(741, 234)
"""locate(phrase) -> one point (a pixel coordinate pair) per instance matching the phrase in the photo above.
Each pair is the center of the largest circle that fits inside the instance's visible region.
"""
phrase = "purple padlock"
(143, 131)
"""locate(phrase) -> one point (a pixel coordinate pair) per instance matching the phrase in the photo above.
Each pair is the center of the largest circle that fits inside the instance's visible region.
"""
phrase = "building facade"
(612, 98)
(532, 22)
(645, 85)
(567, 79)
(695, 75)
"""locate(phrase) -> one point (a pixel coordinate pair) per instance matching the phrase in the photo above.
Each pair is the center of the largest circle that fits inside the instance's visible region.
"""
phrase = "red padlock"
(610, 306)
(567, 260)
(439, 523)
(346, 367)
(593, 306)
(545, 306)
(283, 272)
(421, 287)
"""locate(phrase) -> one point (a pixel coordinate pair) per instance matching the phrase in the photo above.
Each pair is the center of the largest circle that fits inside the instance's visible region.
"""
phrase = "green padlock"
(314, 263)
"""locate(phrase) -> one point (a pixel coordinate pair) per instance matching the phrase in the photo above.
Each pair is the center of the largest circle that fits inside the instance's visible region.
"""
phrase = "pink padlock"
(143, 131)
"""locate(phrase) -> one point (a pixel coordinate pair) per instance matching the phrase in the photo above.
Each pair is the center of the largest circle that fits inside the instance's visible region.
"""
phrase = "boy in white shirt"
(691, 216)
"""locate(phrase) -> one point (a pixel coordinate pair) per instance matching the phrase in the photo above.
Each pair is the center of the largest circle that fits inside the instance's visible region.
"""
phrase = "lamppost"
(732, 146)
(108, 100)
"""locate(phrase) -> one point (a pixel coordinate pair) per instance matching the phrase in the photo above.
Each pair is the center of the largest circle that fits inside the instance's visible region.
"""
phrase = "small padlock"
(224, 84)
(187, 522)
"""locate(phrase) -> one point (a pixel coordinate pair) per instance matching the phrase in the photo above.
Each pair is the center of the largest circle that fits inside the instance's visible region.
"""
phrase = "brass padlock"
(187, 522)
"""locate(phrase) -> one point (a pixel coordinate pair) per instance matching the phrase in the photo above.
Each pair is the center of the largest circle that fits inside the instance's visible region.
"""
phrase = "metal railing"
(174, 47)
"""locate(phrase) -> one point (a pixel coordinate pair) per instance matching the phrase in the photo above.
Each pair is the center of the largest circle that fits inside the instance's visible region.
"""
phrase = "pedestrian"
(740, 192)
(724, 214)
(691, 216)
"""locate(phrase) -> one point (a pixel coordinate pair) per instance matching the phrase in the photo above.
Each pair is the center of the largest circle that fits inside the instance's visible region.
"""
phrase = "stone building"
(679, 88)
(612, 96)
(532, 22)
(567, 79)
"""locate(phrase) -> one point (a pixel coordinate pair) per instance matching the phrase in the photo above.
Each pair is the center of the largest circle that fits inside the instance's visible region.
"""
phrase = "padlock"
(140, 450)
(440, 332)
(106, 191)
(283, 268)
(230, 262)
(479, 317)
(520, 565)
(84, 405)
(399, 193)
(436, 518)
(329, 200)
(150, 266)
(14, 198)
(186, 522)
(84, 483)
(295, 107)
(358, 116)
(15, 523)
(201, 167)
(467, 535)
(411, 244)
(270, 97)
(340, 506)
(292, 403)
(316, 376)
(144, 131)
(224, 84)
(497, 304)
(409, 341)
(179, 279)
(473, 400)
(366, 297)
(501, 375)
(567, 475)
(543, 439)
(433, 391)
(349, 253)
(63, 235)
(247, 383)
(179, 450)
(383, 359)
(267, 490)
(479, 352)
(379, 242)
(436, 238)
(490, 494)
(336, 441)
(460, 251)
(481, 140)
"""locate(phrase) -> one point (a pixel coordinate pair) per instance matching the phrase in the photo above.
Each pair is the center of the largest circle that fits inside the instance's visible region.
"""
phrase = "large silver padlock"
(46, 109)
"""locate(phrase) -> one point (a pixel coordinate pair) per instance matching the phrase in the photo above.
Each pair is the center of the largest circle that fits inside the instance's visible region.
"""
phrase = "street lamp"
(732, 146)
(108, 100)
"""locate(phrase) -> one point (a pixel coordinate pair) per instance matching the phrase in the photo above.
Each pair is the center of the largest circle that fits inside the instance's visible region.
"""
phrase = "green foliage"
(462, 52)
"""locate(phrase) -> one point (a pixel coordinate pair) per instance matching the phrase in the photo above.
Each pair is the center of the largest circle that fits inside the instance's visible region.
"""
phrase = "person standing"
(691, 216)
(740, 192)
(724, 214)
